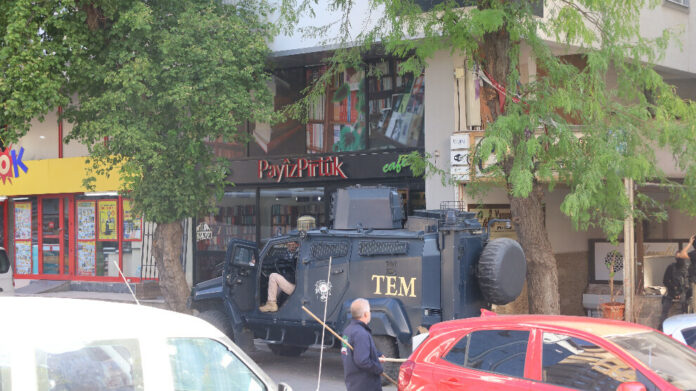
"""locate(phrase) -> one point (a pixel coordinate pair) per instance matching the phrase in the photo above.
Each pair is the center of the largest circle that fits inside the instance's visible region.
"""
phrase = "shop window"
(24, 238)
(281, 208)
(287, 137)
(337, 117)
(235, 219)
(395, 107)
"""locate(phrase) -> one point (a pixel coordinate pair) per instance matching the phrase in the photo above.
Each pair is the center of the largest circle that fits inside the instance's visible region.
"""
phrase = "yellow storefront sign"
(55, 176)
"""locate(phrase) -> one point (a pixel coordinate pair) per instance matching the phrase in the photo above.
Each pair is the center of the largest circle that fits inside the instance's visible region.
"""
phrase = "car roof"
(595, 326)
(57, 317)
(678, 322)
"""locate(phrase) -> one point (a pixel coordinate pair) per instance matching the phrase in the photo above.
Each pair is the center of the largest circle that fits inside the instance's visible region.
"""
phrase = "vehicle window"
(243, 256)
(205, 364)
(572, 362)
(4, 262)
(499, 351)
(5, 370)
(95, 366)
(690, 336)
(667, 357)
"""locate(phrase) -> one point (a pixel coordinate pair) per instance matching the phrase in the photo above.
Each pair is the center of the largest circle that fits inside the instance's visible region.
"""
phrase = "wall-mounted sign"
(460, 173)
(460, 141)
(11, 163)
(460, 157)
(330, 166)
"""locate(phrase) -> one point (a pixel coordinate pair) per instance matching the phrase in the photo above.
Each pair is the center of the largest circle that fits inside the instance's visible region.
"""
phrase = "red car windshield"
(668, 358)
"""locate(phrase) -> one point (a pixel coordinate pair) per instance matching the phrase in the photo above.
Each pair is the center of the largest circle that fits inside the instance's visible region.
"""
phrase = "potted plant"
(613, 309)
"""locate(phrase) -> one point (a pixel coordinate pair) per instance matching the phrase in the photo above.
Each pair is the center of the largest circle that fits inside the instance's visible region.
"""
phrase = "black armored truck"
(441, 266)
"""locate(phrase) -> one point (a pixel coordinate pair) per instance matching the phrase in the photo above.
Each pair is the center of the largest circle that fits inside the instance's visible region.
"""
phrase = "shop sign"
(396, 166)
(11, 162)
(330, 166)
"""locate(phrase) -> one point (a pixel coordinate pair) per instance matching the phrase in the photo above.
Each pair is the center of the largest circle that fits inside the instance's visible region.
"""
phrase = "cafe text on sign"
(302, 168)
(11, 163)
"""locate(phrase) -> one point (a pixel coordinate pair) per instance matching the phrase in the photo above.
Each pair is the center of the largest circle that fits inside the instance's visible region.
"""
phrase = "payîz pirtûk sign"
(328, 166)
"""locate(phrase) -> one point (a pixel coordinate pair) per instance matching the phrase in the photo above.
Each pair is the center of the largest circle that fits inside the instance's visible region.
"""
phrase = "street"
(301, 372)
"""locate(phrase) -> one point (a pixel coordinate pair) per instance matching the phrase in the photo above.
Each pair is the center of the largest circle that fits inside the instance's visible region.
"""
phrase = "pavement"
(47, 288)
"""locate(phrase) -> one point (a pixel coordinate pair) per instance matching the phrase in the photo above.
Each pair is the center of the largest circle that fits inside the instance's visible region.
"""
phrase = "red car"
(536, 352)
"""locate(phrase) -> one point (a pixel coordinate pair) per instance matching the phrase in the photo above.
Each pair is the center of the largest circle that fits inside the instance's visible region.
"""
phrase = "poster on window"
(86, 259)
(22, 212)
(86, 220)
(23, 257)
(107, 219)
(132, 224)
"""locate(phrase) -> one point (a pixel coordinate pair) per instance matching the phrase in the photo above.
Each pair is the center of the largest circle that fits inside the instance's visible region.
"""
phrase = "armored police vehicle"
(442, 266)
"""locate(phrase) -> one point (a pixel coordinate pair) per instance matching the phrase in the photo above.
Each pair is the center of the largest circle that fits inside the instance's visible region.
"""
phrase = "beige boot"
(270, 306)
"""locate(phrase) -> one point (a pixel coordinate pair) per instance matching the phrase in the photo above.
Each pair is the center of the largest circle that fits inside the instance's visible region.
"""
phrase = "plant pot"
(613, 310)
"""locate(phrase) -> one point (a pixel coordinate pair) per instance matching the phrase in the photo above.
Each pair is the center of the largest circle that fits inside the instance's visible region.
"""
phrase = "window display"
(132, 224)
(107, 219)
(281, 208)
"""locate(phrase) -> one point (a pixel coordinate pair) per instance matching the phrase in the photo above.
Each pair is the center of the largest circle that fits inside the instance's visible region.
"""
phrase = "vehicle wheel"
(387, 345)
(287, 350)
(502, 270)
(218, 319)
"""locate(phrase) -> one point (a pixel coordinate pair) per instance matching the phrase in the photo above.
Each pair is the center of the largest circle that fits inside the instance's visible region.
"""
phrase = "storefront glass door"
(54, 235)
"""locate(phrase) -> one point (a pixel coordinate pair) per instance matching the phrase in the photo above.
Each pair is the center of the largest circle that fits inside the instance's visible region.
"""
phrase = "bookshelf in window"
(395, 107)
(284, 217)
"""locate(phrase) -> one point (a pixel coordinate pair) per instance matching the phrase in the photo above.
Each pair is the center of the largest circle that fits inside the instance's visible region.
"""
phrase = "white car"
(682, 328)
(52, 344)
(6, 276)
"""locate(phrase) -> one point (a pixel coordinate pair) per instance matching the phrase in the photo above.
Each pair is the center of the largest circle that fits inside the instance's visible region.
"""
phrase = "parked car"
(682, 328)
(69, 344)
(6, 276)
(536, 352)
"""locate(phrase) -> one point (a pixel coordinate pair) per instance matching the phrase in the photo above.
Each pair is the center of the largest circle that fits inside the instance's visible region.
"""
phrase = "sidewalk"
(62, 289)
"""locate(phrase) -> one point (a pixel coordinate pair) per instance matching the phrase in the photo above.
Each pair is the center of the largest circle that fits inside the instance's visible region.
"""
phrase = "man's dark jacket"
(676, 278)
(361, 366)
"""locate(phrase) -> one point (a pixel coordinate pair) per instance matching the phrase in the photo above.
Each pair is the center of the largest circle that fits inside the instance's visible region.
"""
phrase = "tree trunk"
(527, 212)
(172, 279)
(542, 273)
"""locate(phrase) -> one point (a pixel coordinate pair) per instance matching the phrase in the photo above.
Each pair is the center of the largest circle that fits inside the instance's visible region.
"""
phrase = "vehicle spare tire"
(502, 270)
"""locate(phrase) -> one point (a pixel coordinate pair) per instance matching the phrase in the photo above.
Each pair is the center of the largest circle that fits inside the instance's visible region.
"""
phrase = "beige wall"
(41, 142)
(439, 122)
(682, 21)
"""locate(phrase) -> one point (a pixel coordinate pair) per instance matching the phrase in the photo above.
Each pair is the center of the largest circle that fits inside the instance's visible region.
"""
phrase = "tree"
(152, 83)
(532, 133)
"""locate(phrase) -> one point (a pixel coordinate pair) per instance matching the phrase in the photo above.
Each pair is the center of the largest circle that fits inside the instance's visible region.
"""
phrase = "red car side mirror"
(631, 386)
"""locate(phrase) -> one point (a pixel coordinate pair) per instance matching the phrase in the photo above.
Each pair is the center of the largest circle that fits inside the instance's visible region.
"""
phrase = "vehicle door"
(567, 361)
(320, 285)
(6, 279)
(493, 359)
(240, 274)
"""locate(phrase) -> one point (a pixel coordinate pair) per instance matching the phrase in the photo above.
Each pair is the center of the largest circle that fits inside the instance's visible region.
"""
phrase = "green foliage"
(159, 79)
(587, 127)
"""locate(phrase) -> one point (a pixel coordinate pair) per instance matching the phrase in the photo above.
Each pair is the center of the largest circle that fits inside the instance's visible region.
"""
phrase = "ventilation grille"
(324, 250)
(381, 247)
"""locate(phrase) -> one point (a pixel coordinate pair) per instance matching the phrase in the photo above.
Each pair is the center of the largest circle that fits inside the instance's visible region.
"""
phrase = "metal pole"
(629, 249)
